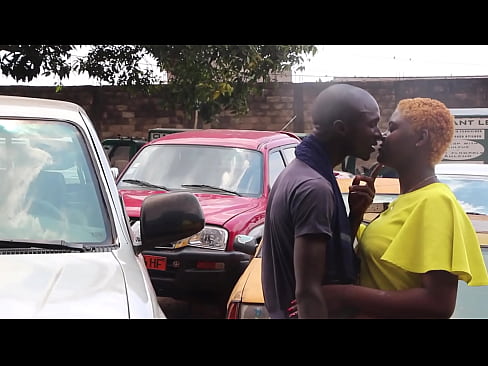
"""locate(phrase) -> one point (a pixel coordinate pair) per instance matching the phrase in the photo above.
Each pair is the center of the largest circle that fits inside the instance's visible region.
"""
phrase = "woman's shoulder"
(439, 200)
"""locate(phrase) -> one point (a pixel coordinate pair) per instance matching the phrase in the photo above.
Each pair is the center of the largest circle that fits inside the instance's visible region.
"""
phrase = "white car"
(66, 247)
(471, 169)
(469, 182)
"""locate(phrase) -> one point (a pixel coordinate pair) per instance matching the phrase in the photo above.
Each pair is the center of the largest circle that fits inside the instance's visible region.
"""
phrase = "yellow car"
(469, 183)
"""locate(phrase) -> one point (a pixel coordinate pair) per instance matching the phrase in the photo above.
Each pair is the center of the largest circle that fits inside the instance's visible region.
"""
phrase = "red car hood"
(217, 208)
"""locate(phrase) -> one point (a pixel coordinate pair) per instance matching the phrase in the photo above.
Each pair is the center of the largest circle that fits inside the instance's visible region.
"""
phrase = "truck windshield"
(194, 167)
(48, 191)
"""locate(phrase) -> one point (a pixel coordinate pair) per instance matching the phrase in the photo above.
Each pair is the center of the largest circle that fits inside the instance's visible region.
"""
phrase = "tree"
(204, 78)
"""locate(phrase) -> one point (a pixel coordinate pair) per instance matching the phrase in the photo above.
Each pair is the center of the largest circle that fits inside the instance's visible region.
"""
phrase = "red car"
(231, 173)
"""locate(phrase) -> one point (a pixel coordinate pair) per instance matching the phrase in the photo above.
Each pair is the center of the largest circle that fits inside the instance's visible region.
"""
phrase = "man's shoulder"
(299, 178)
(299, 166)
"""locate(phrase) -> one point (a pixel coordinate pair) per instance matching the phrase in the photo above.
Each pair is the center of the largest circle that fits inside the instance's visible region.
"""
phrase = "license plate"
(377, 207)
(155, 262)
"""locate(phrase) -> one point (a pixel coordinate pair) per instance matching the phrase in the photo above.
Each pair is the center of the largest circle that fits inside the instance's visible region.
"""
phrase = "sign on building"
(470, 141)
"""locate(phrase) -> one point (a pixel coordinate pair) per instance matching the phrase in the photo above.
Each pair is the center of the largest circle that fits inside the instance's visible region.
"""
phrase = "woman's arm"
(436, 298)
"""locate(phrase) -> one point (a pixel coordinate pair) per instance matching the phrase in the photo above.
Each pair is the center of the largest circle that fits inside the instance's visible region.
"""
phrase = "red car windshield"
(174, 167)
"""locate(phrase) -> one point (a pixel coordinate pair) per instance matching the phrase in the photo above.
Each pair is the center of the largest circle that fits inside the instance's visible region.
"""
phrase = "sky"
(363, 61)
(395, 61)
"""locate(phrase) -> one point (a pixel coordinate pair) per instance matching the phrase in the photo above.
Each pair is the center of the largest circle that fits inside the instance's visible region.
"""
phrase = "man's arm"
(309, 265)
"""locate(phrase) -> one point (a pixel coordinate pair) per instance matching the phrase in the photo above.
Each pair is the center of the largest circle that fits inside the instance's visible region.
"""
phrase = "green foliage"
(26, 62)
(207, 78)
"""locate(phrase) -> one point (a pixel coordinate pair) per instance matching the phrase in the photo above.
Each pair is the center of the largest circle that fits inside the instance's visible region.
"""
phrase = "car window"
(233, 169)
(289, 154)
(276, 165)
(107, 149)
(49, 189)
(120, 152)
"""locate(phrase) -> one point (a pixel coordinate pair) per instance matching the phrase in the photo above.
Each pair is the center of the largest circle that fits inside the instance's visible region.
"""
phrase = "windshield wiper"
(211, 187)
(56, 245)
(145, 184)
(475, 213)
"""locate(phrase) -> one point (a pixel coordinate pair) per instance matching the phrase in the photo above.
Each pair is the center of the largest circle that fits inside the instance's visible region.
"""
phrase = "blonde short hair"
(434, 116)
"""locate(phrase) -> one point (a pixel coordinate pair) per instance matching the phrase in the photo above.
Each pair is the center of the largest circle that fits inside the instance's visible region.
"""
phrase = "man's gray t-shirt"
(301, 202)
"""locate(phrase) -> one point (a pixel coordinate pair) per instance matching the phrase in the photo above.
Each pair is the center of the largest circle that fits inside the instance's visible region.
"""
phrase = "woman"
(415, 252)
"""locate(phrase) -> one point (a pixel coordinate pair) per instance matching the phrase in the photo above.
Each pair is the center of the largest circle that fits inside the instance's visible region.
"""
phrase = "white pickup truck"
(66, 247)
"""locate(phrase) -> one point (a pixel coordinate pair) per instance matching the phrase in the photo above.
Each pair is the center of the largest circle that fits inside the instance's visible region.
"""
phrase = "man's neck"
(333, 149)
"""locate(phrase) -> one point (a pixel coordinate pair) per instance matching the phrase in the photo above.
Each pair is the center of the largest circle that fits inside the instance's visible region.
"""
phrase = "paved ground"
(176, 309)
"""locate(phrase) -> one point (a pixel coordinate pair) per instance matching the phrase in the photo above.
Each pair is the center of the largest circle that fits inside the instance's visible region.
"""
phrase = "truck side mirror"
(168, 217)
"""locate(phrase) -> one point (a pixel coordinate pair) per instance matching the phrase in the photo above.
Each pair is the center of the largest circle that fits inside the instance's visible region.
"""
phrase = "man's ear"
(339, 127)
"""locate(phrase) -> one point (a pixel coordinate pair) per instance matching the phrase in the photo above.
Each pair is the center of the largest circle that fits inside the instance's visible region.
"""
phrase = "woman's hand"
(293, 309)
(334, 297)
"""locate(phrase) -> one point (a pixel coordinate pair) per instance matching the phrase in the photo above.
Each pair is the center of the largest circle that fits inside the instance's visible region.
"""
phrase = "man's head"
(346, 118)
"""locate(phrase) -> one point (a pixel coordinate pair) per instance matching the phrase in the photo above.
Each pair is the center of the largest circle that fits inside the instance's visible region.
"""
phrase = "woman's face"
(399, 142)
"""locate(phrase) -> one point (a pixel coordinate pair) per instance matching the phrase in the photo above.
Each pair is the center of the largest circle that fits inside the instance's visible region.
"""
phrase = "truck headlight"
(211, 237)
(253, 311)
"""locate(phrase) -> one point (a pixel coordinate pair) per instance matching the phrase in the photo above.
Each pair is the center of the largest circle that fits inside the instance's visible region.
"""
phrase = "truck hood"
(62, 286)
(217, 208)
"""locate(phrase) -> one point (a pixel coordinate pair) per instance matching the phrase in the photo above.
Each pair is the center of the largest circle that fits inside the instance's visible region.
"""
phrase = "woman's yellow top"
(421, 231)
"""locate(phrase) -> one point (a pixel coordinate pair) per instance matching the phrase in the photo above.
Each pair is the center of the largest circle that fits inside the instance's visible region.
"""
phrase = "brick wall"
(116, 111)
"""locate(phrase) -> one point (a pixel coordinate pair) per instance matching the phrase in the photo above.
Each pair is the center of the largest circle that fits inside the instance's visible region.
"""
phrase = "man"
(308, 237)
